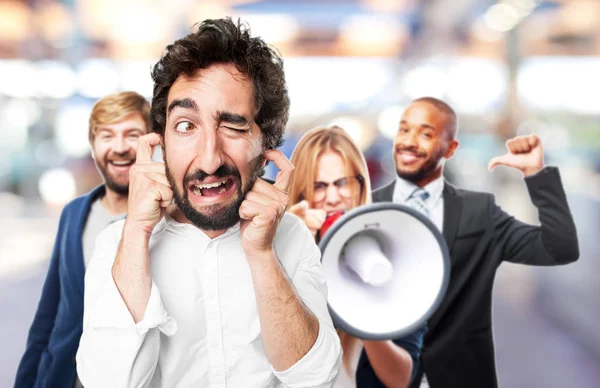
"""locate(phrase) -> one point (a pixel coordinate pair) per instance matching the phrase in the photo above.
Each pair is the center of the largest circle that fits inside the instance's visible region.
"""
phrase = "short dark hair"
(452, 128)
(223, 41)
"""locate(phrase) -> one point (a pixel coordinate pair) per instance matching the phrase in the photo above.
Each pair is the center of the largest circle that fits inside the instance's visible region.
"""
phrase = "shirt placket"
(213, 316)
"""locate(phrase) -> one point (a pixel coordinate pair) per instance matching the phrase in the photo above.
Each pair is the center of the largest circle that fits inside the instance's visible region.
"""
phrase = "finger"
(319, 214)
(145, 147)
(299, 209)
(286, 169)
(533, 140)
(250, 210)
(314, 222)
(260, 198)
(151, 167)
(158, 177)
(164, 192)
(497, 161)
(512, 145)
(264, 187)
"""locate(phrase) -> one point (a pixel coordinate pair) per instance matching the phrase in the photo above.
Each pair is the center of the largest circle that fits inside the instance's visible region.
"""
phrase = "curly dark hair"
(223, 41)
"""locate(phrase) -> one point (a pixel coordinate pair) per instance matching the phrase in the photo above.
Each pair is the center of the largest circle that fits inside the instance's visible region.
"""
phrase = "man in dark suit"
(116, 122)
(458, 349)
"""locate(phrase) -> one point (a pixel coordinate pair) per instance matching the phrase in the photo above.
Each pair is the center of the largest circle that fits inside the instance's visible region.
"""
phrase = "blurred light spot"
(389, 121)
(56, 79)
(333, 81)
(425, 81)
(15, 21)
(521, 7)
(138, 23)
(561, 83)
(476, 85)
(135, 76)
(55, 22)
(57, 186)
(379, 35)
(18, 78)
(97, 78)
(483, 32)
(501, 17)
(71, 129)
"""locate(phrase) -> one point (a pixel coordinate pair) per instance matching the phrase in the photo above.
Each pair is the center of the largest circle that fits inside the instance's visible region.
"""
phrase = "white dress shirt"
(201, 326)
(434, 204)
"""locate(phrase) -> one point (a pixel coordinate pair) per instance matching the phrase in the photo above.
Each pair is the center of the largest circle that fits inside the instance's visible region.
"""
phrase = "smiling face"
(114, 148)
(212, 146)
(421, 143)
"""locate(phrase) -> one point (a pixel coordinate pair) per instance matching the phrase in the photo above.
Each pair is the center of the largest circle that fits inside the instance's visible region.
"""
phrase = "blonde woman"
(331, 177)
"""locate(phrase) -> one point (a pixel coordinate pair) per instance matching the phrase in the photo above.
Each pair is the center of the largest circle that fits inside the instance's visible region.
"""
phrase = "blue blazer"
(49, 359)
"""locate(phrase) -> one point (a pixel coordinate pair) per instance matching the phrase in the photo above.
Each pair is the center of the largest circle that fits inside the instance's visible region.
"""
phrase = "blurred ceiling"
(140, 29)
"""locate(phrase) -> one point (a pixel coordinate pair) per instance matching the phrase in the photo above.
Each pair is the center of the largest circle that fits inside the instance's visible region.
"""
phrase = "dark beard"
(428, 168)
(217, 218)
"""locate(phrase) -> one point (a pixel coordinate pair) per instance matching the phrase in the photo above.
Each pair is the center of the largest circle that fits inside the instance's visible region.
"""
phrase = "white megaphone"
(387, 268)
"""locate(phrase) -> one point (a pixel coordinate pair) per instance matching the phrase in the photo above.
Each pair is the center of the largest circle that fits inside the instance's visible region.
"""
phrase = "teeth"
(209, 185)
(121, 163)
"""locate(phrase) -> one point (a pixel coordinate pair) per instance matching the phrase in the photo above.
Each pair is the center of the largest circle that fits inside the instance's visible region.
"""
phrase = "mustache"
(224, 170)
(411, 149)
(128, 155)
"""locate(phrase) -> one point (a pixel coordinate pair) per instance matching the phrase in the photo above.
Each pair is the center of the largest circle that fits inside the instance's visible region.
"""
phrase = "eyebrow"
(185, 103)
(232, 118)
(423, 125)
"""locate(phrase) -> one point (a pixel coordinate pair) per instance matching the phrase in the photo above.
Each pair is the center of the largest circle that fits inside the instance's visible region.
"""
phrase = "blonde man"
(115, 124)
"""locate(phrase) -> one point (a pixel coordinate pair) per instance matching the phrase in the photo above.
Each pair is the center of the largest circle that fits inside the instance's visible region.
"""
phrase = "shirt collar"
(168, 221)
(404, 188)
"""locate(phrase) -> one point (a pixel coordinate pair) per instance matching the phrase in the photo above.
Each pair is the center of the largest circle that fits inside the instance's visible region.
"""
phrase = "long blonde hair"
(304, 158)
(306, 155)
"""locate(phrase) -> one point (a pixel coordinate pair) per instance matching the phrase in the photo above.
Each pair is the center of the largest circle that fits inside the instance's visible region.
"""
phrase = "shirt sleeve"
(413, 343)
(320, 365)
(114, 351)
(554, 241)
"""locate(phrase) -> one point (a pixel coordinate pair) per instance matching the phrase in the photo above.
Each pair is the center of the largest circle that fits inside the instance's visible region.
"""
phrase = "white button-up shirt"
(201, 326)
(434, 204)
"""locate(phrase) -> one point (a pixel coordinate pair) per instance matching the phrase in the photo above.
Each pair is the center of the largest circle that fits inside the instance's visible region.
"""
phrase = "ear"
(452, 147)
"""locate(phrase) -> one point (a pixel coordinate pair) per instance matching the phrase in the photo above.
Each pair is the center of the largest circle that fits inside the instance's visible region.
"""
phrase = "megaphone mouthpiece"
(364, 257)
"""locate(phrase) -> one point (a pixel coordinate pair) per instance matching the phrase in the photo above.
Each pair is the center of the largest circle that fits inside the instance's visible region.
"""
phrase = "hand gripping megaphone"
(387, 268)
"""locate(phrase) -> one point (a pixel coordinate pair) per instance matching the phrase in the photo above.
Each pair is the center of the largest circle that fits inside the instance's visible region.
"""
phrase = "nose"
(332, 196)
(408, 140)
(120, 144)
(210, 156)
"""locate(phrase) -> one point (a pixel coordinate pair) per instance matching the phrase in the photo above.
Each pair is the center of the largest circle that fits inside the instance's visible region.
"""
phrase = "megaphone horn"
(387, 268)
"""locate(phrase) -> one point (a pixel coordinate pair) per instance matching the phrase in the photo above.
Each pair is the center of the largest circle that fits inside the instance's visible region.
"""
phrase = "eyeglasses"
(346, 187)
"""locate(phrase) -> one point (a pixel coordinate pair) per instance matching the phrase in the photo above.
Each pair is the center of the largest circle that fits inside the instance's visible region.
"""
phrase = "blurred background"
(508, 67)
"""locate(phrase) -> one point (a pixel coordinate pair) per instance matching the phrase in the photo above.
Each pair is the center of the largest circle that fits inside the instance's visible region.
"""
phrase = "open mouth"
(121, 163)
(212, 189)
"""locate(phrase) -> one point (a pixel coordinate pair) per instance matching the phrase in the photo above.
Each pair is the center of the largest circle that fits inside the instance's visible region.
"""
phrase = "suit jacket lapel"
(452, 210)
(385, 193)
